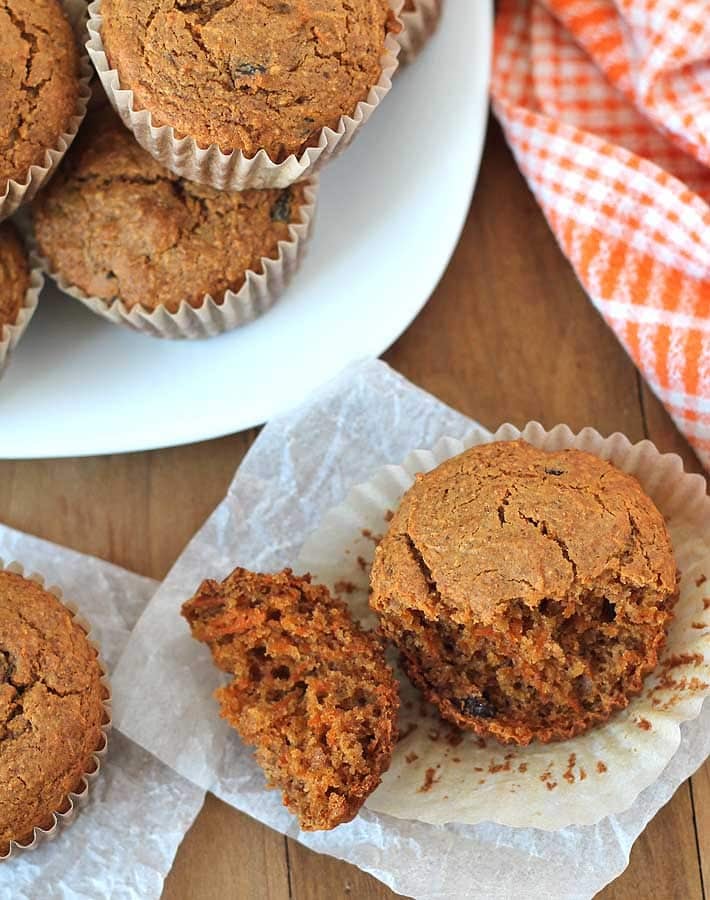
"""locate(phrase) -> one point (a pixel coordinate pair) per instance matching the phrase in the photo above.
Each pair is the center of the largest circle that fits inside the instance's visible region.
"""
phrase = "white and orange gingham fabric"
(606, 104)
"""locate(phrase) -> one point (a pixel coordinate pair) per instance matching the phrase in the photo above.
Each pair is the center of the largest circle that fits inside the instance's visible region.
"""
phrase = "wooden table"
(508, 336)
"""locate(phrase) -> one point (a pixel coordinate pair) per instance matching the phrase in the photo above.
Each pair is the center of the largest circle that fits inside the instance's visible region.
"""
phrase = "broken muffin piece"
(311, 690)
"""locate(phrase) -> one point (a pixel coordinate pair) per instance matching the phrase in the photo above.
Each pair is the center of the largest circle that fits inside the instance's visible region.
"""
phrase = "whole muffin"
(116, 224)
(247, 75)
(51, 707)
(529, 592)
(311, 690)
(39, 83)
(14, 276)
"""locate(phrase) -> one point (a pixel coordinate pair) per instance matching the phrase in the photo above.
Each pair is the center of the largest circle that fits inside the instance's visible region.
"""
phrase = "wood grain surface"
(508, 335)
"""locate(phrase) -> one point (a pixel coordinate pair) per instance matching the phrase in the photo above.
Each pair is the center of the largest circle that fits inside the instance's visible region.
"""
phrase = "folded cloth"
(606, 106)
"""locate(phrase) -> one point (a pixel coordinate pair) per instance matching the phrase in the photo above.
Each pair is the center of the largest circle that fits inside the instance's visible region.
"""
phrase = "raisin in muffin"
(119, 226)
(51, 708)
(529, 592)
(39, 83)
(247, 76)
(311, 690)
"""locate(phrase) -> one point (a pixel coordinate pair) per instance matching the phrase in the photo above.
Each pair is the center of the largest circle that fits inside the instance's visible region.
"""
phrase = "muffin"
(311, 690)
(39, 84)
(118, 226)
(420, 19)
(529, 592)
(51, 708)
(14, 277)
(251, 76)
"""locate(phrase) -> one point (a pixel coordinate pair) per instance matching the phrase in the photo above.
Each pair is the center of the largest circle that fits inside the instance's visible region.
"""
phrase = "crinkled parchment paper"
(302, 465)
(123, 843)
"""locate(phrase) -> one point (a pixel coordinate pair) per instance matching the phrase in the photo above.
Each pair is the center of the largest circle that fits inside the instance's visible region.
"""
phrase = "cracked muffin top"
(247, 74)
(51, 707)
(116, 224)
(39, 83)
(507, 521)
(14, 275)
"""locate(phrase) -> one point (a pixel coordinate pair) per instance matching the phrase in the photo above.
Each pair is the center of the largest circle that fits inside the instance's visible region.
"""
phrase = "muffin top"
(39, 83)
(247, 75)
(116, 224)
(506, 520)
(51, 706)
(14, 275)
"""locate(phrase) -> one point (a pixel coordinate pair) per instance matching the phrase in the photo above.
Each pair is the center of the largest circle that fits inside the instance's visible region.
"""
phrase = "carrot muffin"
(14, 276)
(247, 75)
(39, 83)
(51, 707)
(117, 225)
(529, 592)
(311, 690)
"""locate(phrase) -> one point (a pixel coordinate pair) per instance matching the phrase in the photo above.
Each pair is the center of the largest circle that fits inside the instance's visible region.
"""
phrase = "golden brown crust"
(39, 83)
(247, 74)
(51, 707)
(311, 690)
(529, 592)
(14, 275)
(116, 224)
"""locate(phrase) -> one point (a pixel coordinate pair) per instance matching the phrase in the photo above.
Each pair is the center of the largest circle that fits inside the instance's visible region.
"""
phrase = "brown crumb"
(582, 775)
(371, 536)
(550, 785)
(389, 515)
(706, 602)
(456, 759)
(311, 690)
(523, 767)
(433, 734)
(481, 780)
(644, 724)
(344, 587)
(700, 580)
(454, 737)
(495, 767)
(430, 780)
(698, 625)
(601, 767)
(568, 775)
(405, 732)
(410, 758)
(362, 562)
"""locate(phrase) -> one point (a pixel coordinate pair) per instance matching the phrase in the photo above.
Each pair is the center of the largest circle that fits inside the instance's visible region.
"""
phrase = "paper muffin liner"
(10, 335)
(420, 24)
(17, 193)
(77, 799)
(258, 294)
(442, 775)
(234, 171)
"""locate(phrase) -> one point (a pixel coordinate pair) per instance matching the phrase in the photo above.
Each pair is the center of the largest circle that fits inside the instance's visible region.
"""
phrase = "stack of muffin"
(186, 214)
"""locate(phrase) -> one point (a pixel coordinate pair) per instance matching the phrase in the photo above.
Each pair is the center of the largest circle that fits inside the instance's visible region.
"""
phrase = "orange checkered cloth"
(606, 106)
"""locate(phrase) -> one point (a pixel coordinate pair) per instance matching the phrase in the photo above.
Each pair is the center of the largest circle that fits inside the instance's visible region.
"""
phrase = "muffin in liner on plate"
(145, 248)
(44, 91)
(241, 96)
(20, 286)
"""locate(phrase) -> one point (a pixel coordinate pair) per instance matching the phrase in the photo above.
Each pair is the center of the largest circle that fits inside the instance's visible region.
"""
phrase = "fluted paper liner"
(18, 193)
(233, 171)
(78, 798)
(442, 775)
(10, 335)
(420, 24)
(257, 295)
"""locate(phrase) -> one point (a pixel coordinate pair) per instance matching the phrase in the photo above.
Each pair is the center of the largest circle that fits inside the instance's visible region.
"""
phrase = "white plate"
(391, 212)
